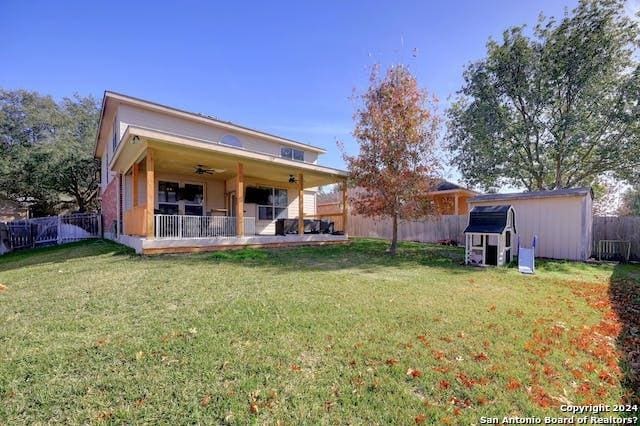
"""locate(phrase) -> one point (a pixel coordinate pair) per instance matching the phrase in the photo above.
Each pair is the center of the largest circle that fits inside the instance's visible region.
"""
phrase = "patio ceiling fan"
(201, 170)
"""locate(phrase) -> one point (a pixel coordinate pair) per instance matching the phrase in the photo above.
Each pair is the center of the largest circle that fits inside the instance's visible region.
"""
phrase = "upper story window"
(292, 153)
(231, 141)
(114, 137)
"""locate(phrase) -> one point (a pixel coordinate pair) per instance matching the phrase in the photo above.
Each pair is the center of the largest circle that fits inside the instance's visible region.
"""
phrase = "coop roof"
(488, 219)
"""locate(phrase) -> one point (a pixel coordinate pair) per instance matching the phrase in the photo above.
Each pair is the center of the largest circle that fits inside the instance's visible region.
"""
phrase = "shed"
(490, 235)
(562, 219)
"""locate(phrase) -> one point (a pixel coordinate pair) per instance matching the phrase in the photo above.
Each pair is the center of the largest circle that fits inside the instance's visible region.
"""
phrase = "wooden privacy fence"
(625, 228)
(438, 228)
(50, 230)
(428, 230)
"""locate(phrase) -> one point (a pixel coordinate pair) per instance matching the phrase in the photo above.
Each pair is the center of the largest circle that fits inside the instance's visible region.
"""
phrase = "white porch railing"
(186, 226)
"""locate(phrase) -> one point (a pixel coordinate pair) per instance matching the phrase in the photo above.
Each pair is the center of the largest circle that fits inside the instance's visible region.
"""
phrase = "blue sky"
(284, 67)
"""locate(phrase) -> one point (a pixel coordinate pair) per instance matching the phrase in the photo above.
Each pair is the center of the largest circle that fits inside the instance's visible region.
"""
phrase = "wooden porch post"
(134, 178)
(345, 208)
(455, 204)
(151, 192)
(300, 205)
(240, 201)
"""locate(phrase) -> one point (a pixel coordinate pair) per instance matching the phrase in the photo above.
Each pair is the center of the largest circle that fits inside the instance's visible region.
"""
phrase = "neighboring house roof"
(193, 116)
(446, 187)
(442, 187)
(571, 192)
(488, 219)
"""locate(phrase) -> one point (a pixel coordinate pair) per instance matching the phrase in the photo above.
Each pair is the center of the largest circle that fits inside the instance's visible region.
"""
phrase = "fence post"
(32, 238)
(58, 231)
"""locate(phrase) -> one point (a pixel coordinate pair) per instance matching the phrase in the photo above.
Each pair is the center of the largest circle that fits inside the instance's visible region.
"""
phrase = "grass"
(346, 334)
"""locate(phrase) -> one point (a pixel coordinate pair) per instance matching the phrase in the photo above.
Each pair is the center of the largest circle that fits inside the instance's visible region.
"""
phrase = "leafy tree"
(73, 170)
(396, 128)
(555, 109)
(28, 122)
(631, 202)
(46, 150)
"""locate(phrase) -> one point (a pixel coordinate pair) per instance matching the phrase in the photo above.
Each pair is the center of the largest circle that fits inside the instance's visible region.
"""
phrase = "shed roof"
(570, 192)
(488, 219)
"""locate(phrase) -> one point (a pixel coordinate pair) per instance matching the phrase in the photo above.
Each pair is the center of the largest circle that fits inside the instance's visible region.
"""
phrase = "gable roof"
(207, 119)
(488, 219)
(570, 192)
(445, 185)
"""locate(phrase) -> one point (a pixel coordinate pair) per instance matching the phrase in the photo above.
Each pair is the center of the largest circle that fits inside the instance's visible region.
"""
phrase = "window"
(192, 195)
(272, 202)
(292, 153)
(168, 197)
(231, 141)
(114, 138)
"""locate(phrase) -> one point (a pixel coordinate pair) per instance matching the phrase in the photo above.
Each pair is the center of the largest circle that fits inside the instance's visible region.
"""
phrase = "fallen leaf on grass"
(540, 396)
(103, 416)
(513, 384)
(577, 374)
(442, 369)
(482, 400)
(481, 357)
(391, 361)
(102, 342)
(438, 354)
(444, 384)
(466, 380)
(584, 389)
(413, 373)
(205, 400)
(3, 288)
(606, 377)
(420, 418)
(295, 367)
(549, 371)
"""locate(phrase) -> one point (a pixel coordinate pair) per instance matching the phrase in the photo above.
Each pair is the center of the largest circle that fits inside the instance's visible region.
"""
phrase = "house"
(450, 199)
(12, 210)
(562, 219)
(176, 181)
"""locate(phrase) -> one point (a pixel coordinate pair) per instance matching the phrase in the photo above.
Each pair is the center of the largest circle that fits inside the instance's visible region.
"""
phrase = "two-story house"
(176, 181)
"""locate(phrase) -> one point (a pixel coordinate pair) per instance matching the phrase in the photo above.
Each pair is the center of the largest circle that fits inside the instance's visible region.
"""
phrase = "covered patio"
(180, 194)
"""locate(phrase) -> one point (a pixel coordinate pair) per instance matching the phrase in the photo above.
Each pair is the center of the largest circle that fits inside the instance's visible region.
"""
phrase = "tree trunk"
(81, 204)
(394, 237)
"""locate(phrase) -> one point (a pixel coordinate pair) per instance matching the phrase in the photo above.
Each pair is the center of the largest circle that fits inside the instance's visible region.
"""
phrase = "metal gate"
(49, 230)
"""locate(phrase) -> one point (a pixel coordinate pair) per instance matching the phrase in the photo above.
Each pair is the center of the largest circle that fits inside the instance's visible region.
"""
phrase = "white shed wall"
(563, 225)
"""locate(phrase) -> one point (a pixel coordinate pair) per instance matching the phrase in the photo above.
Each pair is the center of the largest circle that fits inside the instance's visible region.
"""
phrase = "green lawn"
(90, 332)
